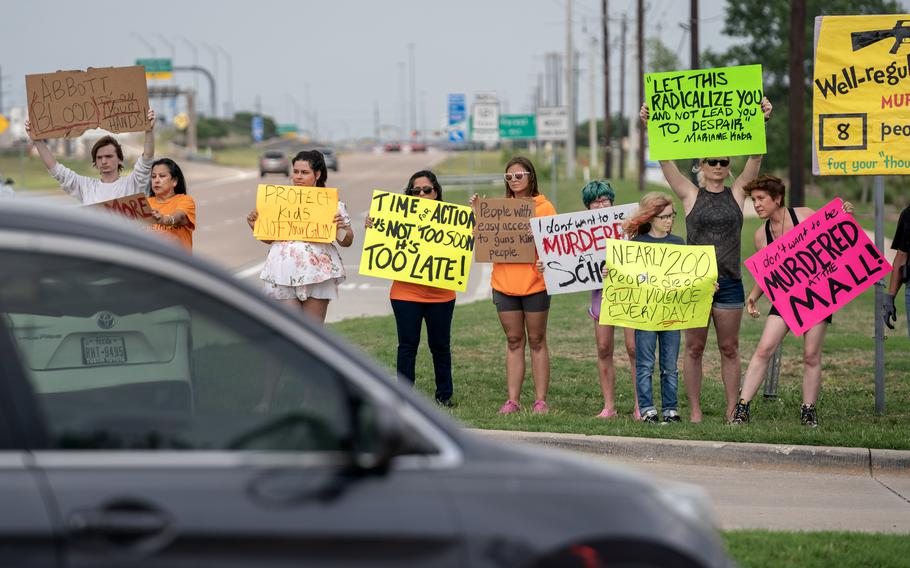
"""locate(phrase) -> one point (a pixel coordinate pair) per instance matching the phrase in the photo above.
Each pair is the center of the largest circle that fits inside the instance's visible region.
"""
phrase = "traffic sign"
(485, 118)
(517, 127)
(158, 68)
(4, 124)
(181, 121)
(258, 128)
(457, 117)
(552, 124)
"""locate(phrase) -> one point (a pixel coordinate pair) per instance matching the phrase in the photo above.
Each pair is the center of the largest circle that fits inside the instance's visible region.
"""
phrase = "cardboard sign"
(573, 246)
(417, 240)
(67, 103)
(861, 95)
(706, 112)
(658, 287)
(817, 267)
(504, 231)
(132, 207)
(296, 213)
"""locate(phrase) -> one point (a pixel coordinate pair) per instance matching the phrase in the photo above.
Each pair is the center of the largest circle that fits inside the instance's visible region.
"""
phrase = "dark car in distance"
(331, 158)
(392, 147)
(156, 411)
(274, 162)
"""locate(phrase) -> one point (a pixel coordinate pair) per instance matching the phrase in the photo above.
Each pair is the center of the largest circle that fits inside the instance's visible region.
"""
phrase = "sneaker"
(445, 402)
(671, 416)
(540, 407)
(807, 415)
(740, 413)
(650, 417)
(607, 413)
(509, 407)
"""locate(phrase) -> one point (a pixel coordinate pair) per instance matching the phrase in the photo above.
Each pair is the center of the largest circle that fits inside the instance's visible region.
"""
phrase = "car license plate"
(103, 350)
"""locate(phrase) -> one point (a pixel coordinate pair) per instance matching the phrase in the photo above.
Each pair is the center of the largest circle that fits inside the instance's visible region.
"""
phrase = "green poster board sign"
(517, 126)
(705, 112)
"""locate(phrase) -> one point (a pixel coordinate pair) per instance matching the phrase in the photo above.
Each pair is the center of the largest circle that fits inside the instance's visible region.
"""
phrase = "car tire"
(262, 174)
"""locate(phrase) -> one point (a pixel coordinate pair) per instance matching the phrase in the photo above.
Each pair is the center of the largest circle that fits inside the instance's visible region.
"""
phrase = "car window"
(121, 358)
(273, 155)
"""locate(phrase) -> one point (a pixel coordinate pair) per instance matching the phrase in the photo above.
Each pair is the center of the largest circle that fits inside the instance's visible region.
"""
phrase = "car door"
(26, 530)
(191, 423)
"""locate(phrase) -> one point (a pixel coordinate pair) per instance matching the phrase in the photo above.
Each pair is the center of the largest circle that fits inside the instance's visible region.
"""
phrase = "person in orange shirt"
(521, 299)
(415, 303)
(174, 211)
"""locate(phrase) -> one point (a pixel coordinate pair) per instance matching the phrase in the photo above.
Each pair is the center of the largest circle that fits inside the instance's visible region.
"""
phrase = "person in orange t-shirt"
(415, 303)
(174, 211)
(521, 299)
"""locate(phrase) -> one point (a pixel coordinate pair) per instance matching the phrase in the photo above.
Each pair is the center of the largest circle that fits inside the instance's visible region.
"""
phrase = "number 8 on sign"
(842, 131)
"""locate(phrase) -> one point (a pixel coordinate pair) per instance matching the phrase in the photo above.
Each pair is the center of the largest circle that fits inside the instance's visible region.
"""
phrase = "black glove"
(889, 312)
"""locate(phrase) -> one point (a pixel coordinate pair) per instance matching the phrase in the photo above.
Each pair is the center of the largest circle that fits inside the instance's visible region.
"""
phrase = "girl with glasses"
(522, 302)
(714, 216)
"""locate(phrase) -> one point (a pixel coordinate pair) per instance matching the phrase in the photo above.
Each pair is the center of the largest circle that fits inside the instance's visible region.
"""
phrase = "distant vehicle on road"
(6, 187)
(274, 162)
(392, 147)
(418, 147)
(331, 158)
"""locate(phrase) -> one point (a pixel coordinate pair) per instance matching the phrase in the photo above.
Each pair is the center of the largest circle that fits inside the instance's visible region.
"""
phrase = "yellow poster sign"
(861, 95)
(296, 213)
(658, 287)
(417, 240)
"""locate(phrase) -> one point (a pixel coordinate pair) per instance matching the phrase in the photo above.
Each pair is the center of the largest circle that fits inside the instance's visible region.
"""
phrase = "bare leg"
(272, 372)
(536, 323)
(726, 324)
(692, 369)
(812, 357)
(513, 326)
(629, 336)
(316, 308)
(772, 335)
(605, 368)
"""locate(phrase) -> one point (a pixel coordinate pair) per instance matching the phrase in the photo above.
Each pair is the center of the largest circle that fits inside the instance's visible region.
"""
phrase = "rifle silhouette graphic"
(900, 32)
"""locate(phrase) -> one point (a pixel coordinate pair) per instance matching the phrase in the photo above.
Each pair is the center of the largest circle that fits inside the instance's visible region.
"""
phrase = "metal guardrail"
(478, 179)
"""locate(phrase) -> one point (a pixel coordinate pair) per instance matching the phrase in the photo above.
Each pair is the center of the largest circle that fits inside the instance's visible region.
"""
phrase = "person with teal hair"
(598, 194)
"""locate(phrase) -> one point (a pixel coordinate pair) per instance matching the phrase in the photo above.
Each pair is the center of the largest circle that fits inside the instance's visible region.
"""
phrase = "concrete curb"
(779, 457)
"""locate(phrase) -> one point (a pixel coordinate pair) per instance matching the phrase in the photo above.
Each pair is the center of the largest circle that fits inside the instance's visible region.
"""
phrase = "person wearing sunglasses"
(595, 195)
(521, 299)
(767, 193)
(414, 304)
(714, 216)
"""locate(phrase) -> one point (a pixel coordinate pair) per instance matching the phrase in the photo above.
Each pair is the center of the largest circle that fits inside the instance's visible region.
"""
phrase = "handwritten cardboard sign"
(67, 103)
(817, 267)
(134, 206)
(573, 246)
(418, 240)
(658, 287)
(296, 213)
(706, 112)
(504, 231)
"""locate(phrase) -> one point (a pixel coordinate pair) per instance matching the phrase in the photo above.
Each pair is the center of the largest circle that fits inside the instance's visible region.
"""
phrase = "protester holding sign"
(107, 157)
(714, 216)
(414, 303)
(174, 211)
(900, 274)
(598, 195)
(767, 193)
(301, 273)
(521, 299)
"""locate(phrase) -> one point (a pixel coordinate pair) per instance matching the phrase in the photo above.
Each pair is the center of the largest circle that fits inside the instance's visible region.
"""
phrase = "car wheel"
(287, 173)
(261, 174)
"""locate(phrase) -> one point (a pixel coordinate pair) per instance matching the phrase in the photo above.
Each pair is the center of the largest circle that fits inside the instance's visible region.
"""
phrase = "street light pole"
(148, 44)
(230, 81)
(195, 51)
(413, 88)
(214, 53)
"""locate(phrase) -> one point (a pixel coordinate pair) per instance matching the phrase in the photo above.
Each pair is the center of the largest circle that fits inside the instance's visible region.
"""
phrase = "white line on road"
(249, 270)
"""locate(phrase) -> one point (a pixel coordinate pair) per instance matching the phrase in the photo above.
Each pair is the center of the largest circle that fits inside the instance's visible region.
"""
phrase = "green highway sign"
(160, 68)
(517, 127)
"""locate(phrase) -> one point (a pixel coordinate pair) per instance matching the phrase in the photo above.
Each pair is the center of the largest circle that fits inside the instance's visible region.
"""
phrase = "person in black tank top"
(714, 217)
(767, 193)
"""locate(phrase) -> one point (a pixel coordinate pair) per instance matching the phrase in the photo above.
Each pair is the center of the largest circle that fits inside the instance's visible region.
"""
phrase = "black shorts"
(773, 312)
(537, 302)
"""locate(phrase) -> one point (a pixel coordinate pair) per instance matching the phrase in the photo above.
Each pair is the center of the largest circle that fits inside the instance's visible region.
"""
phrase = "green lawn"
(845, 407)
(242, 157)
(29, 172)
(761, 549)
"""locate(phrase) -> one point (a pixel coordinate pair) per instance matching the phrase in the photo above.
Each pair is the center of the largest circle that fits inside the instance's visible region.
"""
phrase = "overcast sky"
(348, 52)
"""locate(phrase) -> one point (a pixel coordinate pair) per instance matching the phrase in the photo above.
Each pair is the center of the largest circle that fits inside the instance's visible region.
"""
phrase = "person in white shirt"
(107, 157)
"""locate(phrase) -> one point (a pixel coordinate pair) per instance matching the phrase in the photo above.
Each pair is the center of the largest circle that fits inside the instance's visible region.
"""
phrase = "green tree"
(659, 57)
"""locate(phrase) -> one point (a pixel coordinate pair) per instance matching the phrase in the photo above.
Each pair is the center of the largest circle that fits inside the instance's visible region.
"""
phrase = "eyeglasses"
(516, 175)
(665, 217)
(421, 190)
(722, 163)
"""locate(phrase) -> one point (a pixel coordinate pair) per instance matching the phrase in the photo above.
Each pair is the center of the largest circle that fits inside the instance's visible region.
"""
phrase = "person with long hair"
(302, 274)
(767, 193)
(173, 210)
(414, 304)
(714, 216)
(521, 300)
(596, 195)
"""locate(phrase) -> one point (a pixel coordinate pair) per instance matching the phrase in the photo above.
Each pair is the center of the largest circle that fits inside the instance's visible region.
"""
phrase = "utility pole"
(622, 99)
(641, 93)
(695, 64)
(570, 94)
(402, 94)
(413, 88)
(377, 129)
(592, 116)
(608, 138)
(797, 92)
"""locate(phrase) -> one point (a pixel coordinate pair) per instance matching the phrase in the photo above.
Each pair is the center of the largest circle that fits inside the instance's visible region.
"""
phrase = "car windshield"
(273, 155)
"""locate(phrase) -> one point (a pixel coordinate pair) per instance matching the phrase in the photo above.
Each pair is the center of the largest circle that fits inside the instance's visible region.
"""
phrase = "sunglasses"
(516, 175)
(666, 217)
(427, 190)
(723, 163)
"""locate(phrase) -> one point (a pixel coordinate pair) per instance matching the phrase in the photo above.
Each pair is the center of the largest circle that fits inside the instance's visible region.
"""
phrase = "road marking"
(249, 270)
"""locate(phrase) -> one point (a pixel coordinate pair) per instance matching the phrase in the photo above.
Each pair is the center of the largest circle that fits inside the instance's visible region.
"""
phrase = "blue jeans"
(645, 348)
(907, 305)
(409, 318)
